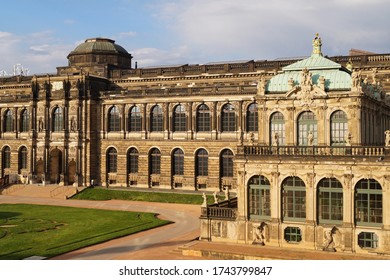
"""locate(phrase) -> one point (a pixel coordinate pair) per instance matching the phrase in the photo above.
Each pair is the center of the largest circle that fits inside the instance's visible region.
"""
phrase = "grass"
(104, 194)
(47, 231)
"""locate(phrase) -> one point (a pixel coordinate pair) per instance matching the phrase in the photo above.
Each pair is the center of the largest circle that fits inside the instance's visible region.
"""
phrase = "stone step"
(47, 191)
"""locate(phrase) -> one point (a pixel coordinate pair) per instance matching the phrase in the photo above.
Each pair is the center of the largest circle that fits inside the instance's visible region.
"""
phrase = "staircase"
(47, 191)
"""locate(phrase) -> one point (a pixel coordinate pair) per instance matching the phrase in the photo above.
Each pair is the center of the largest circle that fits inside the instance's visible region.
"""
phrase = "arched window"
(112, 160)
(307, 129)
(57, 120)
(179, 118)
(228, 118)
(368, 202)
(22, 158)
(156, 119)
(8, 121)
(277, 128)
(330, 201)
(338, 128)
(135, 119)
(24, 121)
(133, 160)
(202, 163)
(203, 120)
(178, 162)
(6, 157)
(155, 161)
(226, 163)
(252, 118)
(114, 119)
(293, 199)
(259, 197)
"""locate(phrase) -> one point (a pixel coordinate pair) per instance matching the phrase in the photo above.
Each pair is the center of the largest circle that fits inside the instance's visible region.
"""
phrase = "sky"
(38, 35)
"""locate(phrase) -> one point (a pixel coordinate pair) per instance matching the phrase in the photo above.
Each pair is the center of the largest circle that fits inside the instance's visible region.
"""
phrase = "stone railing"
(225, 210)
(349, 151)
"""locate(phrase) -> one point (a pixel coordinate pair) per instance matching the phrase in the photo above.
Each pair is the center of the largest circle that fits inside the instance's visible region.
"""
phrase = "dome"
(98, 52)
(99, 45)
(335, 76)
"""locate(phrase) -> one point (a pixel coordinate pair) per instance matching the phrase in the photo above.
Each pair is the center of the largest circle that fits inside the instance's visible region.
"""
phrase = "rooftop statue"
(317, 45)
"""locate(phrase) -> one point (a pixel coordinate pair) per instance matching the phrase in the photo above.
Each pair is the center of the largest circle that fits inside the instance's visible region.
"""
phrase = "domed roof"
(336, 77)
(99, 45)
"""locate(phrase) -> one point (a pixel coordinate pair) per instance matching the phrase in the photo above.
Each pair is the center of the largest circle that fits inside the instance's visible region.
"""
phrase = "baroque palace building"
(302, 143)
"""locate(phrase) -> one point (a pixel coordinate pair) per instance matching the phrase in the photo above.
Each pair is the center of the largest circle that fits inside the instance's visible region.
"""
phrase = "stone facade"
(317, 177)
(216, 127)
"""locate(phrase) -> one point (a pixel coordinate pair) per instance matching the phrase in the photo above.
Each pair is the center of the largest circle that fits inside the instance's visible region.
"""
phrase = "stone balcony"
(319, 151)
(225, 210)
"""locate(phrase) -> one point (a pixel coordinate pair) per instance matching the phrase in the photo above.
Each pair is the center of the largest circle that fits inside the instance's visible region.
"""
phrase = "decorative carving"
(259, 234)
(387, 138)
(356, 80)
(330, 240)
(261, 86)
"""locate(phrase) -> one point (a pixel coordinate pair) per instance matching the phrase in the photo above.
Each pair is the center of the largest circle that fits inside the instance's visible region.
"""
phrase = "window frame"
(156, 119)
(133, 160)
(228, 118)
(329, 194)
(135, 119)
(367, 194)
(178, 162)
(112, 160)
(293, 199)
(203, 118)
(114, 119)
(155, 161)
(24, 121)
(259, 198)
(278, 125)
(202, 163)
(57, 120)
(179, 118)
(338, 128)
(306, 121)
(252, 118)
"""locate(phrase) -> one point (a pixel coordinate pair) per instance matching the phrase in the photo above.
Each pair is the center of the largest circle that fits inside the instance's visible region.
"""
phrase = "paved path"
(159, 243)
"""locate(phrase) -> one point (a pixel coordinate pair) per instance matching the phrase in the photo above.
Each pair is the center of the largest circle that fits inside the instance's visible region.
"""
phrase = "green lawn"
(47, 231)
(104, 194)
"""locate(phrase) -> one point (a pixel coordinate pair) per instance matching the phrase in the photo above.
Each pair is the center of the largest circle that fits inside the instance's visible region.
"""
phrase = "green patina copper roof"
(336, 77)
(99, 45)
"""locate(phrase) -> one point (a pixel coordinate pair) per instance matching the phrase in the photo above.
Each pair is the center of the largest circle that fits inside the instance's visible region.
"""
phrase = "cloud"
(127, 34)
(258, 29)
(156, 57)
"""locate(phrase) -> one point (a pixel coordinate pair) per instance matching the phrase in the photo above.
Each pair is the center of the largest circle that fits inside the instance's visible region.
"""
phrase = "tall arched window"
(112, 160)
(252, 118)
(338, 128)
(155, 161)
(203, 120)
(259, 197)
(307, 129)
(228, 118)
(24, 121)
(114, 119)
(135, 119)
(179, 118)
(22, 163)
(330, 201)
(293, 199)
(132, 160)
(8, 121)
(277, 128)
(6, 157)
(178, 162)
(156, 119)
(226, 163)
(368, 203)
(57, 120)
(202, 163)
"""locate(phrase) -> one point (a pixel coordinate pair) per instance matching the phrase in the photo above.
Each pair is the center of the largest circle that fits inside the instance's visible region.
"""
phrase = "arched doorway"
(55, 166)
(40, 170)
